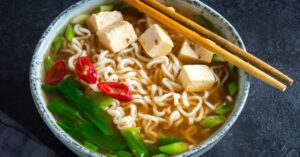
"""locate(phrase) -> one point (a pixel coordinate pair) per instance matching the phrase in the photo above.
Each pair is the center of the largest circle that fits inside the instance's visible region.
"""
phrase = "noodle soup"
(120, 83)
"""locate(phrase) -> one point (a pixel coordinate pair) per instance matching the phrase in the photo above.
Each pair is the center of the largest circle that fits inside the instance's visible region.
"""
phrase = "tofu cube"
(151, 21)
(196, 78)
(205, 56)
(117, 36)
(186, 54)
(156, 42)
(193, 53)
(96, 22)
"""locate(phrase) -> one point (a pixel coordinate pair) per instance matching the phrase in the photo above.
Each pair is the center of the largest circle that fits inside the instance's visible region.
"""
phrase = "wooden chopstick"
(220, 41)
(195, 37)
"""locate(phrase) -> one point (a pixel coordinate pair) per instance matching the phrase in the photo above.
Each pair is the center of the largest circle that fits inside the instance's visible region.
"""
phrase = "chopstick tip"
(283, 89)
(291, 82)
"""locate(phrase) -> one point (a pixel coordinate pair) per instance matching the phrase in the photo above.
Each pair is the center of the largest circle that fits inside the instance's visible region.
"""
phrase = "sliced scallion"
(48, 63)
(174, 148)
(123, 153)
(200, 19)
(223, 108)
(168, 140)
(69, 33)
(49, 88)
(231, 67)
(217, 58)
(204, 22)
(122, 5)
(104, 7)
(212, 121)
(90, 146)
(160, 155)
(101, 99)
(57, 42)
(232, 88)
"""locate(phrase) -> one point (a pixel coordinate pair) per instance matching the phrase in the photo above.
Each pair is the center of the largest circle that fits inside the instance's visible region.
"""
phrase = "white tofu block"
(151, 21)
(186, 54)
(117, 36)
(205, 56)
(196, 78)
(193, 53)
(156, 42)
(97, 22)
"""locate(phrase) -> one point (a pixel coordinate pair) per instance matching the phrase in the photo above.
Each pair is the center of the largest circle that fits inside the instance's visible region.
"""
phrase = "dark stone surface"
(270, 122)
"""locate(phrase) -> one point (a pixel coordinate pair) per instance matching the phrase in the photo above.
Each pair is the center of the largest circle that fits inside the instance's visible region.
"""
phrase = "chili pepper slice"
(86, 70)
(116, 90)
(56, 73)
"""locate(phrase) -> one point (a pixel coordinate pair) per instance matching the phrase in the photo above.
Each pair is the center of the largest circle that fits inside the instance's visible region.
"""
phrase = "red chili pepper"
(56, 73)
(116, 90)
(86, 70)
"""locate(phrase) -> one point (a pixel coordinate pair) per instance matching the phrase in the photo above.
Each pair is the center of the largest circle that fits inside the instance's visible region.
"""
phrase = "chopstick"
(197, 38)
(220, 41)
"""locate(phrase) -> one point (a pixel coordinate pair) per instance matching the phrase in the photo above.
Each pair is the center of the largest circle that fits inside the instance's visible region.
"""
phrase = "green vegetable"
(57, 42)
(153, 148)
(174, 148)
(232, 88)
(79, 19)
(231, 68)
(83, 130)
(160, 155)
(122, 5)
(212, 121)
(58, 107)
(105, 142)
(217, 58)
(49, 88)
(101, 99)
(71, 128)
(93, 112)
(69, 33)
(223, 108)
(104, 7)
(48, 63)
(66, 125)
(123, 153)
(90, 146)
(135, 142)
(168, 140)
(75, 125)
(204, 22)
(200, 19)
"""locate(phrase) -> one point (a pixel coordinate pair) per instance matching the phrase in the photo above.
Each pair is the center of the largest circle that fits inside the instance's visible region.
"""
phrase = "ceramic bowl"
(189, 6)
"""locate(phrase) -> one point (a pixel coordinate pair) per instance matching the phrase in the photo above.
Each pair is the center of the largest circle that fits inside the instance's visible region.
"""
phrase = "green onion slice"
(57, 42)
(212, 121)
(232, 88)
(223, 108)
(69, 33)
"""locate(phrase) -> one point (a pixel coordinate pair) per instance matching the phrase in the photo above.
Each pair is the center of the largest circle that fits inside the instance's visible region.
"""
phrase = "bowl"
(189, 6)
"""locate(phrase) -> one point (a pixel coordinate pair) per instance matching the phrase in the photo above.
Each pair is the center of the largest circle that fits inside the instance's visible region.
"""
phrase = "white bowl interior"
(190, 6)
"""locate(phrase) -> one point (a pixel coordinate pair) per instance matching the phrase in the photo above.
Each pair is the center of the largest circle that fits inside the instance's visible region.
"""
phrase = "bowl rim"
(77, 148)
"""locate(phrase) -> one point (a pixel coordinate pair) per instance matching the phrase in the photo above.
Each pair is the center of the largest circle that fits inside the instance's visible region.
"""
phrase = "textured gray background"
(270, 122)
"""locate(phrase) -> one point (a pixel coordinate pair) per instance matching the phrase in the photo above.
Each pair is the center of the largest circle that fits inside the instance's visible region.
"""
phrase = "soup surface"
(123, 84)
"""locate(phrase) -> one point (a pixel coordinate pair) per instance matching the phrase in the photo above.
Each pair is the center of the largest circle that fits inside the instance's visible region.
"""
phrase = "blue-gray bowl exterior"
(190, 6)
